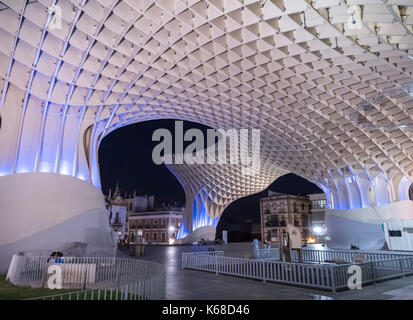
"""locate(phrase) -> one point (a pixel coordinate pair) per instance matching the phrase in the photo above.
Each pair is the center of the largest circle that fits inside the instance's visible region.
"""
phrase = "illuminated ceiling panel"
(328, 82)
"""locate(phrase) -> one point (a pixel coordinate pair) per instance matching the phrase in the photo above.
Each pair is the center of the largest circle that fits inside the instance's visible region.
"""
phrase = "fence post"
(373, 272)
(263, 271)
(216, 264)
(45, 275)
(333, 278)
(401, 267)
(117, 274)
(85, 278)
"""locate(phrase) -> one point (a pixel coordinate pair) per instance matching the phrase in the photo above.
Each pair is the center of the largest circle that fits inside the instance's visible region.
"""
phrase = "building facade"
(158, 227)
(118, 214)
(318, 210)
(131, 214)
(277, 210)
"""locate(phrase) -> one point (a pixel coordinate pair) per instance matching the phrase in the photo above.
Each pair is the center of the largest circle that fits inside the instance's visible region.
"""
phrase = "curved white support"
(205, 232)
(45, 211)
(364, 227)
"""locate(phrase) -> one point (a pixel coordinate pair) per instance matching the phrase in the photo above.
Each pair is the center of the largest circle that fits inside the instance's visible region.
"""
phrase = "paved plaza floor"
(198, 285)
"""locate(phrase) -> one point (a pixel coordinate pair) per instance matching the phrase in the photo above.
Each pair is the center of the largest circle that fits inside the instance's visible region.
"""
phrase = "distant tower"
(117, 212)
(117, 190)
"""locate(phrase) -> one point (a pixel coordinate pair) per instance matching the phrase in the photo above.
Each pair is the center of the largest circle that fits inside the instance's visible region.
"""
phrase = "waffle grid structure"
(328, 83)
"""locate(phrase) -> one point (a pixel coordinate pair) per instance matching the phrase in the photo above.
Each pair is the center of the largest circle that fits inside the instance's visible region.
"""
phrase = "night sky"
(126, 155)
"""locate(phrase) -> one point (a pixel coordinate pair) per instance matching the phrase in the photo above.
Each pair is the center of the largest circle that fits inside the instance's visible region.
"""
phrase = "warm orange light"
(311, 240)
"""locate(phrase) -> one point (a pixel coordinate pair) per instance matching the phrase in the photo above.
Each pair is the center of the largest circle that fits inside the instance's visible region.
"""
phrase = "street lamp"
(318, 230)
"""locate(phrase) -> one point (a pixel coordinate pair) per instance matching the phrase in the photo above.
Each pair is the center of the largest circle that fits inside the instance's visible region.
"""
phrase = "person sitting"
(52, 256)
(58, 258)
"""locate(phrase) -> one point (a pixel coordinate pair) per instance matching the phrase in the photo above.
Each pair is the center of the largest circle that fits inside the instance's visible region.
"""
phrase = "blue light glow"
(23, 170)
(381, 189)
(200, 218)
(82, 177)
(65, 168)
(4, 173)
(45, 167)
(352, 192)
(182, 233)
(327, 193)
(404, 188)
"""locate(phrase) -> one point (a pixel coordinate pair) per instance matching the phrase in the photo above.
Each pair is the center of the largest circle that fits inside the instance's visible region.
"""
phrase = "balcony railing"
(277, 211)
(275, 223)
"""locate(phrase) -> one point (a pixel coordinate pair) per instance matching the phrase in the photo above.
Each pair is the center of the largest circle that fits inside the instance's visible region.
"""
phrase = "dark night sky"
(126, 155)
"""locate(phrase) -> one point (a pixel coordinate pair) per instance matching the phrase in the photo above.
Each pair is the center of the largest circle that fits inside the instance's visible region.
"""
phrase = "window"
(296, 222)
(147, 235)
(319, 204)
(395, 233)
(305, 221)
(163, 223)
(155, 236)
(305, 234)
(163, 236)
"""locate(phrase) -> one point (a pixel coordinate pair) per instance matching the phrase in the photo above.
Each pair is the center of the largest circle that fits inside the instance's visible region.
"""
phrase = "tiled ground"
(192, 285)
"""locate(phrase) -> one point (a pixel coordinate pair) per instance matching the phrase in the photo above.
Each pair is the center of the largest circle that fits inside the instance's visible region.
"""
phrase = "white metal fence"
(322, 276)
(119, 293)
(107, 277)
(320, 256)
(272, 253)
(374, 271)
